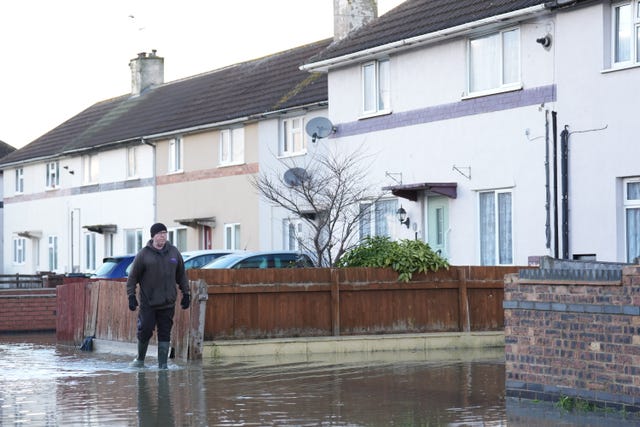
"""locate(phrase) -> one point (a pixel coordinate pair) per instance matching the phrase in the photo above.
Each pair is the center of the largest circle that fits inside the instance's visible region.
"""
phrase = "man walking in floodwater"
(157, 268)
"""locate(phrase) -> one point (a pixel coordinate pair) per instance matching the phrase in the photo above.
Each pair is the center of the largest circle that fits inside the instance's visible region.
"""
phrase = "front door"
(438, 224)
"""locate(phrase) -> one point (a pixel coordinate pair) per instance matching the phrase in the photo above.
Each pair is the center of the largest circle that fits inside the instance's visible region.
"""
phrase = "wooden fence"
(273, 303)
(244, 304)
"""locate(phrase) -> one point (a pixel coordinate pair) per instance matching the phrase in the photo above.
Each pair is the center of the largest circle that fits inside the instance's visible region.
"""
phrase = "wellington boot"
(138, 362)
(163, 354)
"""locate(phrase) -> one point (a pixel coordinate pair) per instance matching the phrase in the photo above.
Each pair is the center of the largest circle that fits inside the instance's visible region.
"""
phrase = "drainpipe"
(155, 186)
(554, 121)
(547, 190)
(564, 147)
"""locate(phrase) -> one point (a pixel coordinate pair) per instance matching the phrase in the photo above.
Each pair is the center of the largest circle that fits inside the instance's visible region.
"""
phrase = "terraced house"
(503, 130)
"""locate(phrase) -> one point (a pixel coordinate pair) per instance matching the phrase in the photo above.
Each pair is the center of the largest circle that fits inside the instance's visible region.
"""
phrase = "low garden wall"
(574, 332)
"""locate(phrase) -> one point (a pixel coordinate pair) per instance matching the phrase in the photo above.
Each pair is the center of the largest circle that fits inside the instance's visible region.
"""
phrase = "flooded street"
(44, 384)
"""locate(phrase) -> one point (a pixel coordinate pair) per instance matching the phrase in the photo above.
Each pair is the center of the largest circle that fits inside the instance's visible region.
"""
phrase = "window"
(178, 237)
(132, 162)
(496, 240)
(19, 180)
(293, 136)
(231, 146)
(232, 236)
(632, 218)
(53, 253)
(375, 87)
(133, 241)
(53, 174)
(375, 218)
(90, 169)
(439, 226)
(90, 251)
(292, 234)
(19, 250)
(175, 155)
(626, 32)
(494, 61)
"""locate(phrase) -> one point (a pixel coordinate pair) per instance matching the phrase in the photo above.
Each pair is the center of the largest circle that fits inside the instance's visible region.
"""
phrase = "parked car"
(114, 267)
(263, 259)
(196, 259)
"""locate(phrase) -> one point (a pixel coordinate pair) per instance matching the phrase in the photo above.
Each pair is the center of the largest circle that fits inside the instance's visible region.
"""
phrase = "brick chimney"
(147, 70)
(349, 15)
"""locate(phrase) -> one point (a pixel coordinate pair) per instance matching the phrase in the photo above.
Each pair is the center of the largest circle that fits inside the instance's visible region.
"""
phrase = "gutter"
(423, 39)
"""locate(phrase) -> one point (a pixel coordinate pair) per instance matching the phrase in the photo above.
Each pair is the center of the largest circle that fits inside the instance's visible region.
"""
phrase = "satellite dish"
(296, 176)
(319, 127)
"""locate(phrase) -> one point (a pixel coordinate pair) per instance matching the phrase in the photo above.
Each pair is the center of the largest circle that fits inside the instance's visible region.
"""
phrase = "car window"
(259, 261)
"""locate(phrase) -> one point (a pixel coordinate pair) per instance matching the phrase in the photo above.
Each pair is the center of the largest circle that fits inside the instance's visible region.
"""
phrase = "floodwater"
(44, 384)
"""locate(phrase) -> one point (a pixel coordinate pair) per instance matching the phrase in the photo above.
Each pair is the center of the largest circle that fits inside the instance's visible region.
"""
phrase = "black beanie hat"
(157, 227)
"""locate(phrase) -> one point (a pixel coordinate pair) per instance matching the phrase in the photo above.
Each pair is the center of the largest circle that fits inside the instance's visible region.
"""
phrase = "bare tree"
(325, 190)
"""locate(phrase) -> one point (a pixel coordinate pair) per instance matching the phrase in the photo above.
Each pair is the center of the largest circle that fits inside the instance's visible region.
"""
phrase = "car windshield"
(106, 267)
(225, 261)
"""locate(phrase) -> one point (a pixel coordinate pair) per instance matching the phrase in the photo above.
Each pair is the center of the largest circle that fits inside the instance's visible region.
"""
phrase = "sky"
(58, 58)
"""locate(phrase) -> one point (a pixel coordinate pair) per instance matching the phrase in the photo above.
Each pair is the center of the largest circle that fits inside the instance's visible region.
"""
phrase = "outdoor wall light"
(402, 216)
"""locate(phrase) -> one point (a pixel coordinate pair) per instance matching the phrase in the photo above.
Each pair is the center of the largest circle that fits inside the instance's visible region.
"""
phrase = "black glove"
(133, 302)
(186, 300)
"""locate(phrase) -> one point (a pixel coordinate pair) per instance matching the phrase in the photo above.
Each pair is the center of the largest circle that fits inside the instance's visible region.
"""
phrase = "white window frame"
(176, 151)
(291, 234)
(231, 146)
(90, 251)
(132, 162)
(19, 250)
(232, 236)
(19, 188)
(53, 174)
(52, 249)
(293, 140)
(90, 169)
(376, 92)
(630, 29)
(377, 222)
(631, 205)
(178, 238)
(501, 82)
(498, 256)
(133, 240)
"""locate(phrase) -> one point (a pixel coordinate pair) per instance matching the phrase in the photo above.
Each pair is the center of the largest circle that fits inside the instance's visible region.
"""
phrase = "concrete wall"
(574, 333)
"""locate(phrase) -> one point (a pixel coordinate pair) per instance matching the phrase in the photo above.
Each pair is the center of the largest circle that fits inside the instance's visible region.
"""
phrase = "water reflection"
(43, 384)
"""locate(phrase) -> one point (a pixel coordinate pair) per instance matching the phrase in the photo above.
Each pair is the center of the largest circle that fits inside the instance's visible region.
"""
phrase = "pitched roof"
(5, 149)
(247, 89)
(418, 17)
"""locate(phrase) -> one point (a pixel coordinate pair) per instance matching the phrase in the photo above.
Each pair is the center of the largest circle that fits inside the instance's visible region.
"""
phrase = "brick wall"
(576, 338)
(23, 310)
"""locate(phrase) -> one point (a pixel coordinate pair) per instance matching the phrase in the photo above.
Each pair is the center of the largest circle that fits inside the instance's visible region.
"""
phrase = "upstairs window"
(626, 33)
(53, 174)
(90, 169)
(375, 87)
(494, 61)
(175, 155)
(293, 137)
(231, 146)
(132, 162)
(19, 180)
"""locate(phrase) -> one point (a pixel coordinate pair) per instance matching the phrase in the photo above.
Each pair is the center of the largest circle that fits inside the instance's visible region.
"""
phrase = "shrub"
(404, 256)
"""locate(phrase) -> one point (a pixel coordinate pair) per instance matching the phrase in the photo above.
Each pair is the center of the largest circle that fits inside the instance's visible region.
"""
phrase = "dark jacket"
(158, 271)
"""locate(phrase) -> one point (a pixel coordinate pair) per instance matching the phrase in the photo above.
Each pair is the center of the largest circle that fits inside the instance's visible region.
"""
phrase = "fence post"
(463, 300)
(335, 302)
